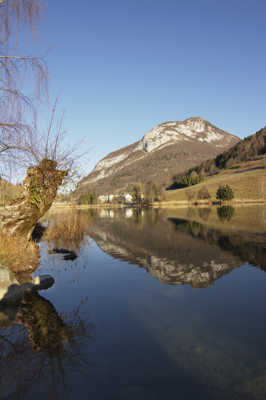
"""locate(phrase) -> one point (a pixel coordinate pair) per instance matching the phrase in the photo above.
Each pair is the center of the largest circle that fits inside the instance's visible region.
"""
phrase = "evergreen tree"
(224, 192)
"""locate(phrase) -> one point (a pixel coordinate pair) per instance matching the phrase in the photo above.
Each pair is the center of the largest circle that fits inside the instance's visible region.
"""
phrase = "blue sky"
(120, 67)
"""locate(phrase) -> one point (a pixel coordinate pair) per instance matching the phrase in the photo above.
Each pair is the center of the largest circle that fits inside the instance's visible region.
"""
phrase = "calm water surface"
(154, 307)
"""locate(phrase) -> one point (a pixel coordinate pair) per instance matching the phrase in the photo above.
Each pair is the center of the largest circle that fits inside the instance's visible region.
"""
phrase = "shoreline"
(164, 204)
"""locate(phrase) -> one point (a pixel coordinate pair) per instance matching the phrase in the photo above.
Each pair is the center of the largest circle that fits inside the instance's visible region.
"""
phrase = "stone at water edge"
(41, 282)
(11, 292)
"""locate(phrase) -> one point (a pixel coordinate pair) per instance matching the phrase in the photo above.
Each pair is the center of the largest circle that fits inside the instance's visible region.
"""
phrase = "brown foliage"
(203, 194)
(40, 187)
(190, 194)
(67, 232)
(18, 254)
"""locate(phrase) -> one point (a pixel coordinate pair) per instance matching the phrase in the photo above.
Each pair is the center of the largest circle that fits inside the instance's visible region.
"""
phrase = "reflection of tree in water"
(225, 213)
(249, 247)
(137, 212)
(46, 330)
(45, 350)
(191, 213)
(91, 212)
(204, 213)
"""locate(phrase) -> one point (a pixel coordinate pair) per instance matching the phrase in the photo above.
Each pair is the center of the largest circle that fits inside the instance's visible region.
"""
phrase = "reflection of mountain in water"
(177, 251)
(249, 247)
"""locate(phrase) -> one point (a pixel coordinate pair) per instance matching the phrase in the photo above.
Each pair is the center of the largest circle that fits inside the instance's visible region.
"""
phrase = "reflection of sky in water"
(153, 340)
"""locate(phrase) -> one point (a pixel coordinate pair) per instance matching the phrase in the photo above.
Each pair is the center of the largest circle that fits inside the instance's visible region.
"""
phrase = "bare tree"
(33, 144)
(13, 12)
(23, 145)
(22, 142)
(15, 103)
(190, 194)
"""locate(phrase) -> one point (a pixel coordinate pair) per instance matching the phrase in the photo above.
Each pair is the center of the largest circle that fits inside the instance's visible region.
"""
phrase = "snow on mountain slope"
(194, 136)
(169, 132)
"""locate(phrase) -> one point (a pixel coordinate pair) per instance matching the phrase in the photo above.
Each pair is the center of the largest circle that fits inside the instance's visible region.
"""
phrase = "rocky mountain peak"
(195, 128)
(197, 124)
(167, 149)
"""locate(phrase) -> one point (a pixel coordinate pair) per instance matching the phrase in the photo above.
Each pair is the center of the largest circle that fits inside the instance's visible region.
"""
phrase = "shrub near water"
(190, 179)
(68, 230)
(203, 193)
(224, 192)
(18, 254)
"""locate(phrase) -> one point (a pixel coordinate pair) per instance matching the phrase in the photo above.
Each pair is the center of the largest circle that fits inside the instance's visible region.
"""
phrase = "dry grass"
(248, 182)
(18, 254)
(9, 192)
(62, 206)
(67, 230)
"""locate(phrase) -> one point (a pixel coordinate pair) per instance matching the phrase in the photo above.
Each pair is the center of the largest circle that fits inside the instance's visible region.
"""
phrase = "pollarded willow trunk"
(40, 187)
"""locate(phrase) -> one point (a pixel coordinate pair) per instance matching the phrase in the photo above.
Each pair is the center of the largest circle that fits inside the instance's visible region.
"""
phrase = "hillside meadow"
(248, 181)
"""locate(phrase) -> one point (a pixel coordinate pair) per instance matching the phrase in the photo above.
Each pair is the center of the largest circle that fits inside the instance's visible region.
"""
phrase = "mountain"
(252, 148)
(168, 149)
(242, 167)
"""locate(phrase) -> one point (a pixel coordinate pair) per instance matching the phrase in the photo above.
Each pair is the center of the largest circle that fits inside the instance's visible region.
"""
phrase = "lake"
(155, 304)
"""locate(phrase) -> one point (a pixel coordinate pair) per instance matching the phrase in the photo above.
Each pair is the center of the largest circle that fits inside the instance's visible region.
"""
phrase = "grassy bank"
(86, 206)
(18, 254)
(248, 183)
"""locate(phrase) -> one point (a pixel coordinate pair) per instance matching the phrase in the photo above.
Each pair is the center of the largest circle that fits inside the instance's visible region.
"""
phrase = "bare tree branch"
(13, 12)
(15, 103)
(22, 142)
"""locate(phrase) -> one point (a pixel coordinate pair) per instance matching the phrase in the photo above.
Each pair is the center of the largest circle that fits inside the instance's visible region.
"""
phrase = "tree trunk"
(40, 187)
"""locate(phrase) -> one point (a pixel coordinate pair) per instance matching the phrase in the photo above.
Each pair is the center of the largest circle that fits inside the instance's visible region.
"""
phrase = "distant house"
(105, 198)
(128, 197)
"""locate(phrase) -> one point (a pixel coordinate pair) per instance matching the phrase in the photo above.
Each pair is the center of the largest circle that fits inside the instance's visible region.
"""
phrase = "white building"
(128, 197)
(106, 198)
